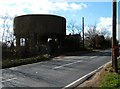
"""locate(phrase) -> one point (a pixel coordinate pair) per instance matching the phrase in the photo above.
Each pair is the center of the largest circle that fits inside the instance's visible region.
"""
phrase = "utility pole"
(114, 41)
(83, 29)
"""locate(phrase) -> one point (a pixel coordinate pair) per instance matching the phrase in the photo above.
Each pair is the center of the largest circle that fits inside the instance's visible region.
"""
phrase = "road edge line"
(83, 78)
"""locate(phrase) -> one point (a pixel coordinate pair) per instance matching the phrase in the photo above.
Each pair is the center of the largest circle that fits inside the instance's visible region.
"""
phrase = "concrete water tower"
(33, 30)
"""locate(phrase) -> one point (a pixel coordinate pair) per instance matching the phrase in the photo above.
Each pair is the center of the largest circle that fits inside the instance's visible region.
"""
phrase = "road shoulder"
(94, 81)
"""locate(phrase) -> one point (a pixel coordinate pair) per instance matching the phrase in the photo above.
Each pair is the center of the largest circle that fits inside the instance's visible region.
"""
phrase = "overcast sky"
(97, 12)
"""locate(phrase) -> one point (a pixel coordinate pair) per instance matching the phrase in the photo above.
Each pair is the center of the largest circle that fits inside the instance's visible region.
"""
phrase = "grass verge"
(17, 62)
(111, 80)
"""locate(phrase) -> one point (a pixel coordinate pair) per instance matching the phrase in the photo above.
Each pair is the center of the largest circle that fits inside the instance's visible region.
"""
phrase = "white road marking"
(74, 57)
(67, 64)
(77, 82)
(14, 68)
(69, 57)
(9, 79)
(93, 57)
(69, 85)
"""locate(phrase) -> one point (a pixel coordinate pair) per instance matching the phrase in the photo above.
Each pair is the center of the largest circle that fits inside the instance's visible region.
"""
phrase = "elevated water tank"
(42, 24)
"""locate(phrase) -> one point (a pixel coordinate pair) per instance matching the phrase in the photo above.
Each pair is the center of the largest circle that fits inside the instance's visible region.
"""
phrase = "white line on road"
(69, 57)
(9, 79)
(74, 57)
(83, 78)
(93, 57)
(69, 85)
(67, 64)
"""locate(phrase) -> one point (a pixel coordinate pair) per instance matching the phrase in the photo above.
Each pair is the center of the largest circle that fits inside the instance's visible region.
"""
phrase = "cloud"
(78, 6)
(14, 7)
(89, 0)
(105, 23)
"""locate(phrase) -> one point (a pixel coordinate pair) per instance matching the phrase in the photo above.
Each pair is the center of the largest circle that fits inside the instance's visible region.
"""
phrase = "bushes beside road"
(17, 62)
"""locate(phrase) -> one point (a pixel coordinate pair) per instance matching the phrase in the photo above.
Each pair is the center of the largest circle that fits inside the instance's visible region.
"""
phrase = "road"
(57, 73)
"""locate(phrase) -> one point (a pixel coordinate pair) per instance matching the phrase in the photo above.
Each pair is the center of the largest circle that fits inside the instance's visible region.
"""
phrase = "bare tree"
(104, 31)
(91, 31)
(73, 28)
(7, 34)
(96, 38)
(90, 36)
(78, 29)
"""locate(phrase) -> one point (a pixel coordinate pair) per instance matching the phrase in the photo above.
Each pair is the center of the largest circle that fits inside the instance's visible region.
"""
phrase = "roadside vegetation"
(111, 80)
(17, 62)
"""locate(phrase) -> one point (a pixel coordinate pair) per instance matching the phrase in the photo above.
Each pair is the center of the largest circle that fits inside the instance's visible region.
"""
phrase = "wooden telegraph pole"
(114, 42)
(83, 29)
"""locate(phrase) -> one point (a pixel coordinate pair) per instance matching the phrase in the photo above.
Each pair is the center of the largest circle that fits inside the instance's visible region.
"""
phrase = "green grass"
(111, 80)
(17, 62)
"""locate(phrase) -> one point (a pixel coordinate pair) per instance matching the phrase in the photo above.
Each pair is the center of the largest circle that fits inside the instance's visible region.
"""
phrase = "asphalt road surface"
(57, 73)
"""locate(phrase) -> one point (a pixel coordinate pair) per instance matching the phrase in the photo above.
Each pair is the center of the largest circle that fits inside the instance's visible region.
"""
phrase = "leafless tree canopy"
(73, 28)
(97, 39)
(7, 34)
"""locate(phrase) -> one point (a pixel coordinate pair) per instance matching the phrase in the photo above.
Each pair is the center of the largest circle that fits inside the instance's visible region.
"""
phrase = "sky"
(97, 12)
